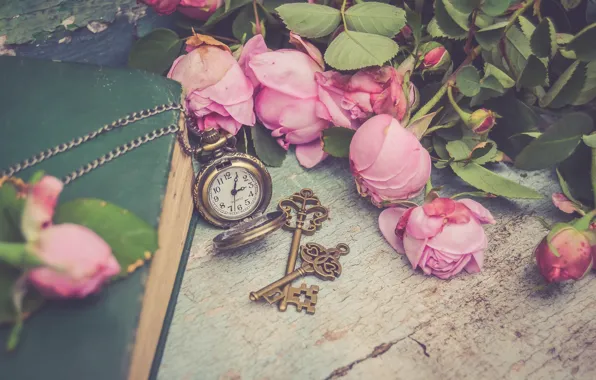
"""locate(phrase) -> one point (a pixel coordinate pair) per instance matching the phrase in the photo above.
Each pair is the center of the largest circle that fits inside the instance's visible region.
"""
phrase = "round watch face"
(234, 193)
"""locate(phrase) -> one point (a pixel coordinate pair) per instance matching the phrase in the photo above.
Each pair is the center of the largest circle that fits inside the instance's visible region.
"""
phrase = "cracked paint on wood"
(23, 20)
(380, 319)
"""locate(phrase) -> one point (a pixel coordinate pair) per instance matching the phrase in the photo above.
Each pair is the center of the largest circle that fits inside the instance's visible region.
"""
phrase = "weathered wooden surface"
(380, 319)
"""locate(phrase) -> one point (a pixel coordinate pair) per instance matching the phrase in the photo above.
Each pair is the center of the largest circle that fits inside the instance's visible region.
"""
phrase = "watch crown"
(210, 136)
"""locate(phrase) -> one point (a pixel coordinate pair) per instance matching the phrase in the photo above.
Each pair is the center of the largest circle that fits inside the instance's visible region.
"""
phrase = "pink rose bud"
(388, 162)
(79, 262)
(404, 35)
(218, 93)
(288, 102)
(565, 254)
(442, 237)
(39, 208)
(481, 121)
(435, 57)
(197, 9)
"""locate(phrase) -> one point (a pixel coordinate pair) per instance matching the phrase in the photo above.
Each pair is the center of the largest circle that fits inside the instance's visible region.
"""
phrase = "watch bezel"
(208, 173)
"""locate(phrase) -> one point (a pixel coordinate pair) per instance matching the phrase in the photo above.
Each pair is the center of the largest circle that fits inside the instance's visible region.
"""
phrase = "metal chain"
(128, 119)
(120, 151)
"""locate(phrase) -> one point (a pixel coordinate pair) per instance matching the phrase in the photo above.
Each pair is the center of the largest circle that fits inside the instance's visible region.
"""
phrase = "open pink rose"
(442, 237)
(287, 102)
(198, 9)
(369, 91)
(79, 261)
(387, 161)
(217, 92)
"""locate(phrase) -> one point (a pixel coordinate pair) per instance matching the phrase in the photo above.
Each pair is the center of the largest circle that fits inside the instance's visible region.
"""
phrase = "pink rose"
(387, 161)
(287, 102)
(83, 260)
(369, 91)
(79, 261)
(565, 254)
(442, 237)
(564, 204)
(217, 92)
(198, 9)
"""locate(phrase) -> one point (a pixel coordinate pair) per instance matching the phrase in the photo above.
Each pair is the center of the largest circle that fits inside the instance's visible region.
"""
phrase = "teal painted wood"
(380, 319)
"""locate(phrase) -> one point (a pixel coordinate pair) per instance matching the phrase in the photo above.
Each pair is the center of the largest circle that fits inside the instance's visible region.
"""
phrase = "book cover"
(112, 335)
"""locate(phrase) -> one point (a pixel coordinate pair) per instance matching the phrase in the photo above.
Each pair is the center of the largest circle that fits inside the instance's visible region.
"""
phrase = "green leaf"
(495, 7)
(504, 79)
(414, 20)
(310, 20)
(376, 18)
(566, 190)
(556, 143)
(567, 88)
(266, 146)
(11, 209)
(590, 140)
(355, 50)
(544, 39)
(221, 13)
(32, 302)
(517, 47)
(156, 51)
(450, 21)
(583, 44)
(458, 150)
(484, 154)
(227, 4)
(468, 81)
(419, 126)
(336, 141)
(490, 36)
(466, 6)
(534, 73)
(131, 238)
(527, 27)
(440, 147)
(435, 31)
(485, 180)
(588, 91)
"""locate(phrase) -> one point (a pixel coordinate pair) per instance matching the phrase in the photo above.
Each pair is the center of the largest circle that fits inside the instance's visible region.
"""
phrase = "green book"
(112, 335)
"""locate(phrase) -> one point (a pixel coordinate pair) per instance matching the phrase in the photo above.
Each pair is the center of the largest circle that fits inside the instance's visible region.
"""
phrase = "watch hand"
(240, 189)
(235, 184)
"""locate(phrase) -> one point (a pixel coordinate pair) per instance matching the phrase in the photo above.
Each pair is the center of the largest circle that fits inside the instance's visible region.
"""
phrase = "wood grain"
(173, 227)
(380, 319)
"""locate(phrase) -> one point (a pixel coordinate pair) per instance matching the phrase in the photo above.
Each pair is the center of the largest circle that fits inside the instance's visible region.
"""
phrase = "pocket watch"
(232, 190)
(230, 186)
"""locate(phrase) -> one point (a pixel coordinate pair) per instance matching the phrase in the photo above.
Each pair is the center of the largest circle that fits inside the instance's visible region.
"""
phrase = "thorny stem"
(257, 21)
(516, 14)
(471, 32)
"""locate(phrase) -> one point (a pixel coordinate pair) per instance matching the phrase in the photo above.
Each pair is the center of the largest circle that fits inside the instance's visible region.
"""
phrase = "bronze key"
(303, 203)
(315, 260)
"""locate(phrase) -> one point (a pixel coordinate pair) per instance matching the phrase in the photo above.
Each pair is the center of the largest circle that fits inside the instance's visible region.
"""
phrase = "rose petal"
(39, 206)
(309, 155)
(563, 203)
(483, 215)
(308, 48)
(233, 88)
(476, 262)
(368, 141)
(288, 71)
(337, 115)
(388, 220)
(256, 45)
(414, 249)
(460, 239)
(243, 112)
(422, 226)
(201, 68)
